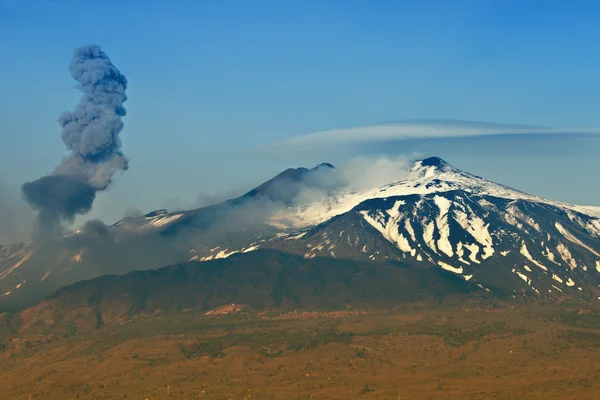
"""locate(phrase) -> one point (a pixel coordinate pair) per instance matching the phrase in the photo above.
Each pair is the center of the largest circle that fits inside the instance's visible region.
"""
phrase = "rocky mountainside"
(497, 238)
(500, 244)
(500, 238)
(256, 280)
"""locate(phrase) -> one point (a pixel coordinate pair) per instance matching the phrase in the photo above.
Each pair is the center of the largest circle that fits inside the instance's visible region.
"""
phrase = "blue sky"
(209, 80)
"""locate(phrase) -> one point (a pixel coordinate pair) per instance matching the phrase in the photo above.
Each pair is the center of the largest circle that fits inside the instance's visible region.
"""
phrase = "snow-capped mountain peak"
(431, 165)
(426, 176)
(433, 214)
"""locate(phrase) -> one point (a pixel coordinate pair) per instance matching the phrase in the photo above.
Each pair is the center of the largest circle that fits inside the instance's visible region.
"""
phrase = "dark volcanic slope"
(260, 279)
(29, 272)
(505, 245)
(504, 240)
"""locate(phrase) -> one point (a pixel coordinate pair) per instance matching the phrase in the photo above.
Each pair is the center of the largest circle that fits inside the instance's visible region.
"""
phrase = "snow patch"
(566, 255)
(450, 268)
(395, 210)
(164, 220)
(557, 288)
(477, 228)
(573, 239)
(460, 252)
(528, 256)
(249, 249)
(442, 224)
(474, 250)
(389, 229)
(550, 256)
(514, 212)
(410, 230)
(428, 236)
(225, 254)
(299, 236)
(522, 276)
(404, 245)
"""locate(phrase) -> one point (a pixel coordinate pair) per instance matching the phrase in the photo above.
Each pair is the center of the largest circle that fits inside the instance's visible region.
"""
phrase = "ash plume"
(91, 133)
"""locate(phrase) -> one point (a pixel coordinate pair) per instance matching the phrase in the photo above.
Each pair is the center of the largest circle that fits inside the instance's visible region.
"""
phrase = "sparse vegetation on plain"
(531, 351)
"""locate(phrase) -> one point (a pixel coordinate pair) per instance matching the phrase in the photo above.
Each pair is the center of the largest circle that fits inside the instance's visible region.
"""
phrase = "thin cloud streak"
(417, 129)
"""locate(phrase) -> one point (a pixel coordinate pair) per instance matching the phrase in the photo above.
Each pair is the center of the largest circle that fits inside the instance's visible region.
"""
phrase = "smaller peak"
(293, 171)
(156, 213)
(433, 162)
(324, 165)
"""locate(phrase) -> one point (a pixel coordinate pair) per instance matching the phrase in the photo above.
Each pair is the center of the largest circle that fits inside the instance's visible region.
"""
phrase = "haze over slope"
(263, 279)
(496, 237)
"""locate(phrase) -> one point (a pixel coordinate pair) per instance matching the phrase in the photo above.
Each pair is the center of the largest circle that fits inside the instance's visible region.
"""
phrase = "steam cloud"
(91, 132)
(371, 172)
(277, 202)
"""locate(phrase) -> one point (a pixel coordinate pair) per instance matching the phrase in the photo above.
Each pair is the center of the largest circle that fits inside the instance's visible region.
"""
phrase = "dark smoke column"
(91, 133)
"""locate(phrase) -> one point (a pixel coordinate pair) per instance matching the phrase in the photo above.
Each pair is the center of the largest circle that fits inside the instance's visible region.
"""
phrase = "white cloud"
(417, 129)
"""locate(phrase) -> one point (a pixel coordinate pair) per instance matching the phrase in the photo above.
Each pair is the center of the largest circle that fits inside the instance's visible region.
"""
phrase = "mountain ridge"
(264, 279)
(427, 218)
